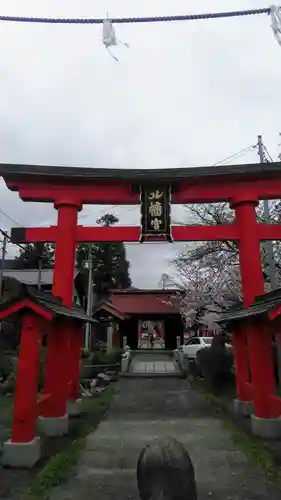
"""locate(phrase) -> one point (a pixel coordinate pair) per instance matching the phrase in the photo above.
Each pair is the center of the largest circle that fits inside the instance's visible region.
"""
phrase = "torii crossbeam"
(131, 234)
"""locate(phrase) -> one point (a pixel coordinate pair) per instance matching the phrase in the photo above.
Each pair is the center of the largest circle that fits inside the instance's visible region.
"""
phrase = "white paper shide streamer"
(275, 13)
(108, 34)
(109, 37)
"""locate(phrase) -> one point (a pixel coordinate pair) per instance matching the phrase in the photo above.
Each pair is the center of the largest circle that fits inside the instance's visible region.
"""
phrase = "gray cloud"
(183, 94)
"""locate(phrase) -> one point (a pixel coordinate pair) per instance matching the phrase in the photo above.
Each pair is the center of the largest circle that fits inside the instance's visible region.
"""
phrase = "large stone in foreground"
(165, 472)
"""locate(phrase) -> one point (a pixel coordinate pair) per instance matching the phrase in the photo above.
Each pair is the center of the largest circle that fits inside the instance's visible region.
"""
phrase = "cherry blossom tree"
(208, 272)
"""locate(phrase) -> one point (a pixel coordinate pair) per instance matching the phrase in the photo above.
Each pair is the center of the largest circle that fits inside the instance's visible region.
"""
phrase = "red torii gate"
(69, 188)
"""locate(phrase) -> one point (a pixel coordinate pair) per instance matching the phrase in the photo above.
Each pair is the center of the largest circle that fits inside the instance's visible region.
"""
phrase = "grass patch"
(59, 466)
(251, 446)
(6, 410)
(6, 402)
(254, 450)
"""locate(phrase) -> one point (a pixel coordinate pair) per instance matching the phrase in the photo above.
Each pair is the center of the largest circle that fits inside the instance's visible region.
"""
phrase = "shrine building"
(134, 315)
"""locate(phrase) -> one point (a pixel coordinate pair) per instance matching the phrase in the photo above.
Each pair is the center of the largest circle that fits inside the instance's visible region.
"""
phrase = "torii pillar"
(245, 343)
(63, 348)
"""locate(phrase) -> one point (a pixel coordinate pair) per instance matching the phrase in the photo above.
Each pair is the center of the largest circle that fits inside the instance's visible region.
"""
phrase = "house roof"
(263, 305)
(11, 264)
(108, 307)
(30, 295)
(30, 276)
(146, 302)
(82, 174)
(148, 291)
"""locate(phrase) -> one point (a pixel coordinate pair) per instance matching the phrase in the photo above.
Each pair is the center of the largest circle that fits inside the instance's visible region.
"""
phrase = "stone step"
(152, 375)
(153, 367)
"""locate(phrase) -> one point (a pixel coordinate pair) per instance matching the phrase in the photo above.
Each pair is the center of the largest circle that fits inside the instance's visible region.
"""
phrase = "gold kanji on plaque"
(155, 212)
(155, 195)
(155, 209)
(156, 224)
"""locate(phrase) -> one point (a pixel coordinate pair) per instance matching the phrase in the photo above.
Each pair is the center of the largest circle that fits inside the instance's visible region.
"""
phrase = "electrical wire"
(148, 19)
(235, 155)
(4, 233)
(265, 148)
(9, 217)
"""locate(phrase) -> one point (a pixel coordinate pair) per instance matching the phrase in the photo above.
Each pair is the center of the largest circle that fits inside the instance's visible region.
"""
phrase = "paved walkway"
(158, 364)
(148, 408)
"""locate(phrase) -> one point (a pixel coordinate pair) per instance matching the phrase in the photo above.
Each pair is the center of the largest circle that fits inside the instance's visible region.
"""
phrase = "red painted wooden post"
(76, 343)
(261, 362)
(139, 333)
(59, 351)
(241, 365)
(251, 280)
(25, 410)
(56, 371)
(249, 250)
(63, 283)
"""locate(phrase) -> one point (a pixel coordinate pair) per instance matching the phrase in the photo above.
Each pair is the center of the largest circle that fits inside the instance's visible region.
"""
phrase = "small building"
(132, 314)
(12, 277)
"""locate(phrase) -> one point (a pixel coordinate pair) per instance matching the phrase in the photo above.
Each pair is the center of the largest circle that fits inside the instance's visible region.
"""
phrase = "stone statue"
(165, 472)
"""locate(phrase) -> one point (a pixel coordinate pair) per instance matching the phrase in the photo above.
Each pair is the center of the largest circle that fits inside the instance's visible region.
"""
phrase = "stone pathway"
(159, 364)
(147, 408)
(153, 367)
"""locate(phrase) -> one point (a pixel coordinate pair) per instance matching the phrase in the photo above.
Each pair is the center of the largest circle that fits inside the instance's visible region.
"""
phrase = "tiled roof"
(82, 174)
(108, 307)
(146, 302)
(263, 304)
(11, 264)
(30, 276)
(47, 301)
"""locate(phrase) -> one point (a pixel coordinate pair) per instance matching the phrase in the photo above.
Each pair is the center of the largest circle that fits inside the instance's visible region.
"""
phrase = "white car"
(194, 344)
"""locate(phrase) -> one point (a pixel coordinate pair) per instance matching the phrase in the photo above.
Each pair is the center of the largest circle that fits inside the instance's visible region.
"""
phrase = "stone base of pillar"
(21, 455)
(243, 408)
(73, 407)
(55, 426)
(268, 428)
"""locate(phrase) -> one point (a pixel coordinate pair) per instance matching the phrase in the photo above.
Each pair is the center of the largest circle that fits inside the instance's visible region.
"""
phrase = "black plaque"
(155, 213)
(104, 318)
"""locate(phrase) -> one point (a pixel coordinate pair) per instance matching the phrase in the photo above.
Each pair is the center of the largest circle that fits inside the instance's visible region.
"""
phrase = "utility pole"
(89, 299)
(39, 276)
(4, 246)
(268, 244)
(270, 255)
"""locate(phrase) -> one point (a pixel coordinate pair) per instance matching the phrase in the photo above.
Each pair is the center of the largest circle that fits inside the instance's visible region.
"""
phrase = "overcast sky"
(183, 94)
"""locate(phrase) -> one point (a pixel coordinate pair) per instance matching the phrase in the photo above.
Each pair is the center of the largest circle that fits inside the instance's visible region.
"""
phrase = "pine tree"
(110, 266)
(30, 256)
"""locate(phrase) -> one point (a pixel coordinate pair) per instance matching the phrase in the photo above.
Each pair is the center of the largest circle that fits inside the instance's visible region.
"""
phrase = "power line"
(234, 155)
(5, 234)
(9, 217)
(266, 150)
(147, 19)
